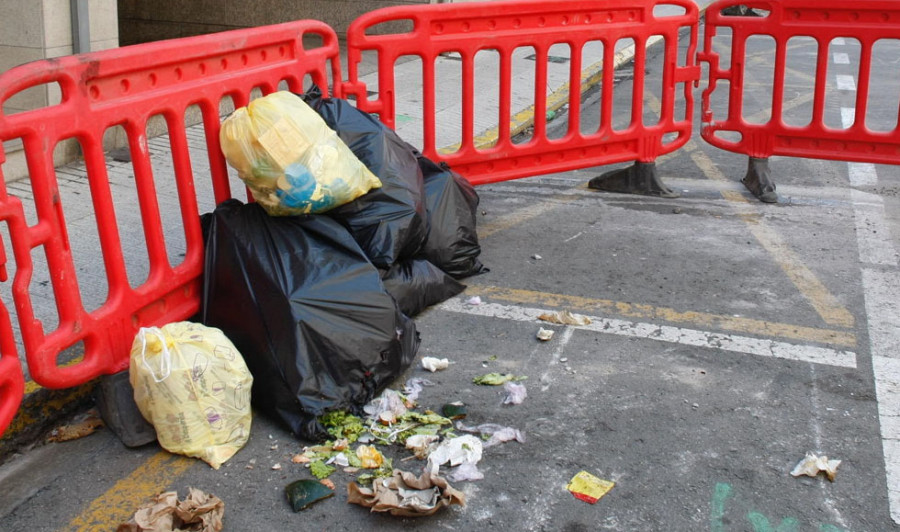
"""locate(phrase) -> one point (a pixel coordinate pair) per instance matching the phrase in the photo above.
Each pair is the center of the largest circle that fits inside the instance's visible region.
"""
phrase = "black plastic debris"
(418, 284)
(307, 310)
(389, 223)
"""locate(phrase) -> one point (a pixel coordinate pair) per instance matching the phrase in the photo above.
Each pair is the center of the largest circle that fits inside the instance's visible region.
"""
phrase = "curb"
(41, 410)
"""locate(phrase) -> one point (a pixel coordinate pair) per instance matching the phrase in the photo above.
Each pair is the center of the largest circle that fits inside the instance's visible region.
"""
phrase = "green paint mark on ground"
(761, 523)
(720, 494)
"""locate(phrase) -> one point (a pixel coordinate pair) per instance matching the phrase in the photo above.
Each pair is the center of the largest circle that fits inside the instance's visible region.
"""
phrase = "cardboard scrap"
(406, 495)
(79, 428)
(198, 512)
(812, 465)
(564, 317)
(588, 488)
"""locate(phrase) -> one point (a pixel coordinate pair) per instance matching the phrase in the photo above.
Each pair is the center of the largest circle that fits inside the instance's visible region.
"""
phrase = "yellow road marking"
(826, 305)
(119, 503)
(519, 216)
(702, 319)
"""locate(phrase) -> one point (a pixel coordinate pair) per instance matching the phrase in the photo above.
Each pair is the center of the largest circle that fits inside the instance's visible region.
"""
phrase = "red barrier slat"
(502, 27)
(866, 21)
(126, 87)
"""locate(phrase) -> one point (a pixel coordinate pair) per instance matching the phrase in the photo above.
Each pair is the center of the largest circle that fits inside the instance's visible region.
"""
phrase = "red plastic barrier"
(505, 26)
(126, 87)
(824, 20)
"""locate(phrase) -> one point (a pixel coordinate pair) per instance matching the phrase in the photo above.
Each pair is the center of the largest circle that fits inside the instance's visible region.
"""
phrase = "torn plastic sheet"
(405, 495)
(463, 473)
(414, 387)
(812, 465)
(433, 364)
(455, 451)
(386, 407)
(564, 317)
(515, 393)
(498, 433)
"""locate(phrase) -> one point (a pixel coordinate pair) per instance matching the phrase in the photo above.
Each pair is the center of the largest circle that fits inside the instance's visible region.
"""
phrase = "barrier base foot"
(115, 400)
(758, 180)
(639, 178)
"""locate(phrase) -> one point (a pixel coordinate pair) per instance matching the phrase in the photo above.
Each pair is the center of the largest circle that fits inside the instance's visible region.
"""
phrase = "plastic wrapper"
(390, 223)
(418, 284)
(290, 160)
(452, 206)
(191, 383)
(310, 313)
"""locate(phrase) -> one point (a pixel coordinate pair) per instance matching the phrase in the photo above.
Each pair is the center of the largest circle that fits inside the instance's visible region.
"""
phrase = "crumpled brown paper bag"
(198, 512)
(406, 495)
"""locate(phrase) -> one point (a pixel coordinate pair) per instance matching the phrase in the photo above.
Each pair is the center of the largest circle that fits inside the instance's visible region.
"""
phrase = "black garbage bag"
(452, 206)
(417, 284)
(307, 310)
(390, 223)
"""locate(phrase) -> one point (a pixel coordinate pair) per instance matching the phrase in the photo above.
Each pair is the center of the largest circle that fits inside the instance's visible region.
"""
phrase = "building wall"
(42, 29)
(143, 21)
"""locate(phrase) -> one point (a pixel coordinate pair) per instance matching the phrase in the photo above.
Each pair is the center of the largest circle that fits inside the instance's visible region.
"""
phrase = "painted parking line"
(719, 322)
(666, 333)
(823, 301)
(117, 505)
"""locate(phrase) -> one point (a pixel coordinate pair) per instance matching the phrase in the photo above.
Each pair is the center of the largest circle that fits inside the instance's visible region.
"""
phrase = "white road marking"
(872, 229)
(840, 58)
(848, 117)
(862, 174)
(845, 82)
(675, 335)
(561, 343)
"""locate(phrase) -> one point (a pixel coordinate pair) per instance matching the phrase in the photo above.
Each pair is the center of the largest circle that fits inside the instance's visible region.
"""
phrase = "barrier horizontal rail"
(504, 26)
(125, 87)
(865, 21)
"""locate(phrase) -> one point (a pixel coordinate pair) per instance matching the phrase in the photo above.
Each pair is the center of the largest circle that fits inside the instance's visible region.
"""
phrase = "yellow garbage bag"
(193, 386)
(291, 161)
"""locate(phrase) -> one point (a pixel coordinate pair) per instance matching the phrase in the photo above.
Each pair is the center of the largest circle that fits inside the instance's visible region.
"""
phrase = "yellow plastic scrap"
(370, 457)
(588, 488)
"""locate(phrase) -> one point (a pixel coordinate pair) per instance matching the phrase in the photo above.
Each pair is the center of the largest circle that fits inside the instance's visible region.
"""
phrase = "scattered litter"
(341, 444)
(433, 364)
(455, 451)
(564, 360)
(476, 300)
(83, 426)
(405, 495)
(464, 473)
(300, 459)
(545, 335)
(387, 407)
(812, 465)
(370, 457)
(251, 464)
(564, 317)
(320, 469)
(198, 511)
(303, 493)
(327, 482)
(498, 433)
(588, 488)
(421, 444)
(274, 447)
(276, 467)
(496, 379)
(414, 387)
(515, 393)
(456, 410)
(339, 460)
(536, 257)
